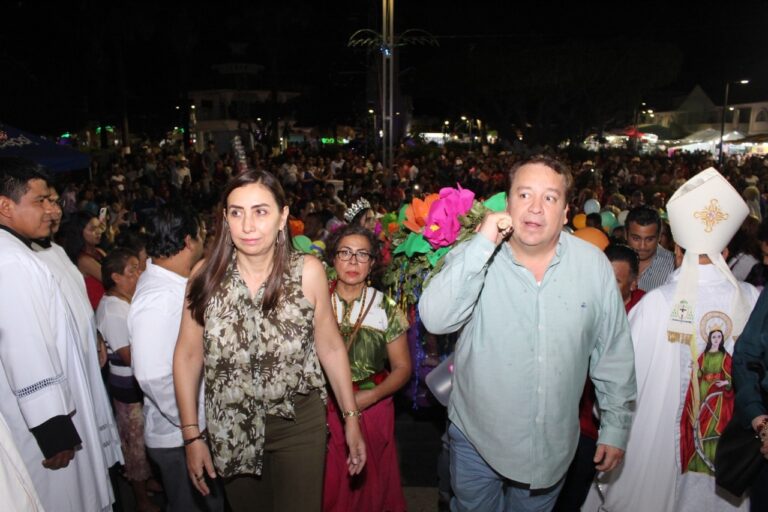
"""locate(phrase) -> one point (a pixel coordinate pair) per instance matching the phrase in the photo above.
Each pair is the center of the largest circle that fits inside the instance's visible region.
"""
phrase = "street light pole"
(722, 119)
(387, 80)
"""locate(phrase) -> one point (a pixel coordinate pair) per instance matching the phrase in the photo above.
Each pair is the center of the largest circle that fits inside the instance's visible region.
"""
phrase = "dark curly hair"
(349, 230)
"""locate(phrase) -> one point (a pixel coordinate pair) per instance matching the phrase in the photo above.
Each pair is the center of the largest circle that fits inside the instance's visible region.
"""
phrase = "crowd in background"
(321, 185)
(105, 221)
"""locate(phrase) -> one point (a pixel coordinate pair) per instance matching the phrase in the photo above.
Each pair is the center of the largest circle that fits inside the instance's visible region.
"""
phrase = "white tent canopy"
(707, 135)
(710, 135)
(734, 136)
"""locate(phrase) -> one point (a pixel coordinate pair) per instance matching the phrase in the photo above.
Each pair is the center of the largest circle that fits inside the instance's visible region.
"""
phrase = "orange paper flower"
(417, 211)
(296, 227)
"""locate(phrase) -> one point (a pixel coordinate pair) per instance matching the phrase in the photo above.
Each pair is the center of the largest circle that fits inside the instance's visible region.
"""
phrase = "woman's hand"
(365, 398)
(198, 464)
(355, 444)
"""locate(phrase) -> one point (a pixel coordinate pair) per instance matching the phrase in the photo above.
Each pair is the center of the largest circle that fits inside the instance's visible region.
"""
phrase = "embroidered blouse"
(383, 324)
(254, 365)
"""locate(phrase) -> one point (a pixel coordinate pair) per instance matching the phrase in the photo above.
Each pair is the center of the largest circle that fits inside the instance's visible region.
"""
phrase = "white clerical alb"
(43, 375)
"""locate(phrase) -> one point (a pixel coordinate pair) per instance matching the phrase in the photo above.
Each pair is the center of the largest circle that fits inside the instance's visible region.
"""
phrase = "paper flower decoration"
(414, 244)
(302, 243)
(428, 229)
(416, 213)
(497, 202)
(442, 223)
(296, 227)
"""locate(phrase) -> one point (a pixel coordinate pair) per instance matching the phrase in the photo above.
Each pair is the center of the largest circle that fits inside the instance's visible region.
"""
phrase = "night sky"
(68, 63)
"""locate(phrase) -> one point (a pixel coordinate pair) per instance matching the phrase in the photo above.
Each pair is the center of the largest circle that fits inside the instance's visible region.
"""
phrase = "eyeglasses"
(360, 256)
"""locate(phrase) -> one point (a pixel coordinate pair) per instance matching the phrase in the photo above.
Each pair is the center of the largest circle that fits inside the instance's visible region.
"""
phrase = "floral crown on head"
(358, 206)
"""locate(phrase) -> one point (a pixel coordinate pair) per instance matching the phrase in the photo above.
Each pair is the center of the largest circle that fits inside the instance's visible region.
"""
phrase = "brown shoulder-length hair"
(208, 280)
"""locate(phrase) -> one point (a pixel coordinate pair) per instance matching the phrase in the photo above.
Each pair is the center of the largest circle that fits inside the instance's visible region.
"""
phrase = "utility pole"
(385, 43)
(387, 81)
(722, 118)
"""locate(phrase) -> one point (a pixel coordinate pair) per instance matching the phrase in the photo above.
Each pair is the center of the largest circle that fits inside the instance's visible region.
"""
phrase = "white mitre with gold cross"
(704, 214)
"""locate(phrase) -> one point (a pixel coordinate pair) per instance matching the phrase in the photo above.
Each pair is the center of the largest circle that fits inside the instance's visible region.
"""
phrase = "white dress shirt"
(153, 326)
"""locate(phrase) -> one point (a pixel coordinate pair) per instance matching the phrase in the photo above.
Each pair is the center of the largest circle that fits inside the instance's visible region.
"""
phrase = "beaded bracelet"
(348, 414)
(201, 437)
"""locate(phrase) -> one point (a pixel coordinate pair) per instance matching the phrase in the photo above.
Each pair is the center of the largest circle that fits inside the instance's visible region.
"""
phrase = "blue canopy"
(55, 157)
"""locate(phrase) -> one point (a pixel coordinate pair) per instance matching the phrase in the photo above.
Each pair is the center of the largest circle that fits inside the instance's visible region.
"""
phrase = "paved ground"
(418, 437)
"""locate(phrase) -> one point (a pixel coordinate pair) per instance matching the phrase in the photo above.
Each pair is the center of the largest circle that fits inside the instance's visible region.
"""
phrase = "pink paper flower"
(442, 223)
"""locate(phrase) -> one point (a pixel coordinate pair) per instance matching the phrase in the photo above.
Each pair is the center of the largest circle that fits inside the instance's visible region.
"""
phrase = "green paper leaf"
(414, 244)
(401, 214)
(497, 202)
(435, 256)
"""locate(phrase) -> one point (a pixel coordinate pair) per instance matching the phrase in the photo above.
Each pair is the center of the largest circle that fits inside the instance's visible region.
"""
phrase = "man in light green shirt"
(537, 312)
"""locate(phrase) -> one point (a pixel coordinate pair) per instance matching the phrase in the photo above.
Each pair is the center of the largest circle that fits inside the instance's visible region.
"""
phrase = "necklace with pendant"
(345, 326)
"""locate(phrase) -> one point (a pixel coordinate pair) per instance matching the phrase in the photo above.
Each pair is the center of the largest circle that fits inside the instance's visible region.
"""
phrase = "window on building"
(762, 116)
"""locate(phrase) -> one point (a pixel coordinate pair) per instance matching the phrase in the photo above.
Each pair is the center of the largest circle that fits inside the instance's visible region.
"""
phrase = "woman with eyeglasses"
(374, 332)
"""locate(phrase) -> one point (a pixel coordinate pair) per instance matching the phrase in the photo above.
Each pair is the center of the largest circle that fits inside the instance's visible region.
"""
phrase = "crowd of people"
(597, 362)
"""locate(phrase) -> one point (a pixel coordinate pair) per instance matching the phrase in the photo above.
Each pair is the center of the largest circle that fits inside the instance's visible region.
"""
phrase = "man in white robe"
(45, 384)
(72, 284)
(684, 333)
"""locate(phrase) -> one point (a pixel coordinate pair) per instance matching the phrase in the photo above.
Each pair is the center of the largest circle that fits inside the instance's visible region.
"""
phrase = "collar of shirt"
(22, 239)
(560, 249)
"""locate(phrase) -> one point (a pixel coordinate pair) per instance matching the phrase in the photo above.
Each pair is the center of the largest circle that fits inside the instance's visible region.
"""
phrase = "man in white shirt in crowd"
(72, 285)
(46, 383)
(175, 241)
(337, 165)
(181, 171)
(413, 171)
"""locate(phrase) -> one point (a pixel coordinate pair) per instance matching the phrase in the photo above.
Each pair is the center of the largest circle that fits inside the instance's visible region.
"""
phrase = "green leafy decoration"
(497, 202)
(414, 262)
(435, 256)
(414, 244)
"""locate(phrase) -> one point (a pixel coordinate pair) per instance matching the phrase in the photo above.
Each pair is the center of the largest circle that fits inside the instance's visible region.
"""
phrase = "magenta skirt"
(377, 488)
